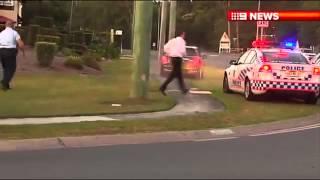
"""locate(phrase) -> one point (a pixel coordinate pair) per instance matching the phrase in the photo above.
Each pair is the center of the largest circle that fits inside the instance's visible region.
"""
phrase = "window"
(7, 4)
(192, 52)
(251, 57)
(285, 57)
(243, 58)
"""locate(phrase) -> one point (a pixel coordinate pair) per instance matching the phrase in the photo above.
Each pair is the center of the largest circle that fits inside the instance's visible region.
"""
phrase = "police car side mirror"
(233, 62)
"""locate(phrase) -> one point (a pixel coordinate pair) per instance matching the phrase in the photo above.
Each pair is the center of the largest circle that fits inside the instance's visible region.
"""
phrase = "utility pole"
(257, 35)
(237, 31)
(158, 24)
(71, 13)
(229, 32)
(141, 48)
(132, 26)
(173, 17)
(163, 27)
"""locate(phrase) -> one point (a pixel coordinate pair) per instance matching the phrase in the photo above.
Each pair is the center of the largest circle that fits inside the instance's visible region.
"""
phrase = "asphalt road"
(291, 155)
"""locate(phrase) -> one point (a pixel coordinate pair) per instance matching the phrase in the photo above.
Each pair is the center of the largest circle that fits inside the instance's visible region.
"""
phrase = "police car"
(266, 68)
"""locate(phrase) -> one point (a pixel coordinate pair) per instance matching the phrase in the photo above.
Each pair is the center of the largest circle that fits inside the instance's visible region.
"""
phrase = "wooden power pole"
(141, 48)
(173, 18)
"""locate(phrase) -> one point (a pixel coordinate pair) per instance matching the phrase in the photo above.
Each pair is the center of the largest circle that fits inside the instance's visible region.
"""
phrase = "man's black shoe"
(162, 90)
(185, 91)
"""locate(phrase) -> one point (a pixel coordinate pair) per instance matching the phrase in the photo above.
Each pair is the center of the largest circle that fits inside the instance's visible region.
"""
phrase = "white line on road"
(214, 139)
(288, 130)
(213, 55)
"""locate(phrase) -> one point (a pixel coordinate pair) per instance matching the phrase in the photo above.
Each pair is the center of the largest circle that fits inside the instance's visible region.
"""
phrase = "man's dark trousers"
(175, 73)
(8, 57)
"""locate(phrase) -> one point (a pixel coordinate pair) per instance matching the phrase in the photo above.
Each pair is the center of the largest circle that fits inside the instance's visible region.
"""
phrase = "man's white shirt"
(176, 47)
(9, 38)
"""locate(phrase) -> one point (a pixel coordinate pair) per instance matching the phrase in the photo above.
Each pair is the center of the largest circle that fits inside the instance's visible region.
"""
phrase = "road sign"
(119, 32)
(263, 24)
(225, 43)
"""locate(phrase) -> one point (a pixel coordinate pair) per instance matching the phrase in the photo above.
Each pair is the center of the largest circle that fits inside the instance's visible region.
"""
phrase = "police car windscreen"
(285, 57)
(191, 52)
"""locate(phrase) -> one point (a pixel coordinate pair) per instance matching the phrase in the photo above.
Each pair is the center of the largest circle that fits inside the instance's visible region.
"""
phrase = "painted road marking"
(287, 130)
(214, 139)
(213, 55)
(52, 120)
(221, 131)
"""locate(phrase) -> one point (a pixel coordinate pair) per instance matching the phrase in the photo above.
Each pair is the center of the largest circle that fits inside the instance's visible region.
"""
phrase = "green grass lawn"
(238, 112)
(61, 94)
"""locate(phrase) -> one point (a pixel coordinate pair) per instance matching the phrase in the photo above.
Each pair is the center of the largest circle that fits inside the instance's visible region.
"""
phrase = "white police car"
(265, 68)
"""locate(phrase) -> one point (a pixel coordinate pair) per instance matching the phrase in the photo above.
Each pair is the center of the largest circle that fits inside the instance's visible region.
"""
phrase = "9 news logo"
(254, 16)
(236, 15)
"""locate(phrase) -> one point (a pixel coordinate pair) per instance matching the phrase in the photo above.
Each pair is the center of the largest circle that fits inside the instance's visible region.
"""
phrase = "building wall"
(9, 12)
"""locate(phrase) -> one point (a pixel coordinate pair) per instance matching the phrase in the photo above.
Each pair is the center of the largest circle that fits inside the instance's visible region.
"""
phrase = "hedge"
(48, 38)
(90, 60)
(63, 39)
(48, 31)
(74, 62)
(88, 38)
(78, 37)
(43, 21)
(78, 48)
(45, 53)
(33, 31)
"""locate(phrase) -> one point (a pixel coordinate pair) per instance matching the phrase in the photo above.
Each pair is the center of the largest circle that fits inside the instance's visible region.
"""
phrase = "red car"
(193, 63)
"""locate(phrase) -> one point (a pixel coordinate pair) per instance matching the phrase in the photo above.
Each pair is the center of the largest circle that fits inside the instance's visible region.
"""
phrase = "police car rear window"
(191, 52)
(284, 57)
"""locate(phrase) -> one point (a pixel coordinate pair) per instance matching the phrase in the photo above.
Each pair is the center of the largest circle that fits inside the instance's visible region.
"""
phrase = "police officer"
(9, 40)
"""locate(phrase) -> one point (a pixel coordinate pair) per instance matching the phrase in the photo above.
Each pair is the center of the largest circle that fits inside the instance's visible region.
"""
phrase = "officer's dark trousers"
(175, 73)
(9, 63)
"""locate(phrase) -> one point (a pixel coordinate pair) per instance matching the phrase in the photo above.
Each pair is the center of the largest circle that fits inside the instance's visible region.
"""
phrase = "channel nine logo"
(236, 15)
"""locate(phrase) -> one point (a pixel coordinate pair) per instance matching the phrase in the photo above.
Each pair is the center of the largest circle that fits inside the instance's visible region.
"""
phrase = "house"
(10, 9)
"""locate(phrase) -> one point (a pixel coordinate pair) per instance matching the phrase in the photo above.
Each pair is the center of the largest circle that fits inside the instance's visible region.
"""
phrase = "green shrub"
(112, 52)
(48, 31)
(78, 37)
(78, 48)
(63, 39)
(45, 53)
(33, 31)
(74, 62)
(48, 38)
(89, 60)
(44, 21)
(67, 52)
(88, 37)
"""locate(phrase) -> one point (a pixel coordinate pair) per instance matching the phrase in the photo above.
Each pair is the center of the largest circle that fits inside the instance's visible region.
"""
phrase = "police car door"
(246, 68)
(236, 81)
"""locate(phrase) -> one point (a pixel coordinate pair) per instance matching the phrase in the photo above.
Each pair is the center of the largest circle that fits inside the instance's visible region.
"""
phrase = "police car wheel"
(311, 99)
(247, 91)
(226, 88)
